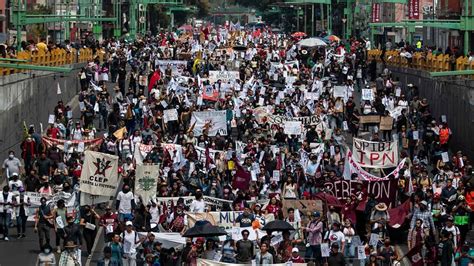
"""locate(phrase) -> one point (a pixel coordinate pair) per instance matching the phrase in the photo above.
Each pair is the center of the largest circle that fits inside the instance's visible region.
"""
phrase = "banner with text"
(383, 190)
(99, 174)
(352, 167)
(224, 219)
(211, 121)
(146, 180)
(223, 76)
(375, 154)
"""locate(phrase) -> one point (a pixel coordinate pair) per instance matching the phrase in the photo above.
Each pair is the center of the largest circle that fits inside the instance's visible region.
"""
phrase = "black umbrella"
(240, 48)
(204, 230)
(278, 225)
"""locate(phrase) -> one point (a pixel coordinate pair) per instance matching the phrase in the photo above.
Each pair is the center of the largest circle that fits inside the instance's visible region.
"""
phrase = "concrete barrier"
(31, 97)
(452, 97)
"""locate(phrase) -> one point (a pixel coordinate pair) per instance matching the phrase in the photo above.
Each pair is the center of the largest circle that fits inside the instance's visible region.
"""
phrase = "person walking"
(71, 256)
(46, 257)
(130, 241)
(245, 248)
(6, 211)
(263, 256)
(89, 224)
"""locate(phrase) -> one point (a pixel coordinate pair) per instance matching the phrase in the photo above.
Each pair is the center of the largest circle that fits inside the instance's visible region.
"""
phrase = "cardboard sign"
(304, 206)
(445, 157)
(386, 123)
(325, 250)
(375, 154)
(51, 119)
(373, 119)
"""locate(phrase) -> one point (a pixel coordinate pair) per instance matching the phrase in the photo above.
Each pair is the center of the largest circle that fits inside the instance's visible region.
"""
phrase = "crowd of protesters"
(116, 94)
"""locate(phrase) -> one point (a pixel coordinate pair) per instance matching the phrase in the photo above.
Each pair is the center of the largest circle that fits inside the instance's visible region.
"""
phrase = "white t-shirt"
(336, 237)
(129, 246)
(455, 231)
(125, 199)
(197, 206)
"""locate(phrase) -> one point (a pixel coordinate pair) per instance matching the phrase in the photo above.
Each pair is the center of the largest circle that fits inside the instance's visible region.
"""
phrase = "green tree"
(204, 6)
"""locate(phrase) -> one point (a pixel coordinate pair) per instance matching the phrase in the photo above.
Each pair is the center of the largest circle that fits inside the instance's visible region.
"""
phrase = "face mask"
(47, 250)
(11, 156)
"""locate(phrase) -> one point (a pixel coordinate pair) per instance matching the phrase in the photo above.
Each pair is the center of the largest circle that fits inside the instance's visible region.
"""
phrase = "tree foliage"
(261, 5)
(204, 6)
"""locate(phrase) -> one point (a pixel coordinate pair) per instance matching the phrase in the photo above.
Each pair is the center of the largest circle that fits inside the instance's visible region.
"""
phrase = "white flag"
(146, 182)
(99, 174)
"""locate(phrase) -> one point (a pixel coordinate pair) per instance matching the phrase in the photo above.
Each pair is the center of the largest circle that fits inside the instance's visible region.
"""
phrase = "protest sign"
(383, 190)
(292, 127)
(224, 76)
(352, 167)
(201, 153)
(367, 94)
(210, 93)
(375, 154)
(99, 174)
(146, 179)
(211, 201)
(170, 115)
(386, 123)
(339, 92)
(304, 206)
(211, 121)
(177, 66)
(372, 119)
(325, 250)
(51, 119)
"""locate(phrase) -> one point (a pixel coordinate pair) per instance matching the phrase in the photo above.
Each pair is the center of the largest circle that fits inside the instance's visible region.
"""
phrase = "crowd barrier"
(54, 58)
(422, 61)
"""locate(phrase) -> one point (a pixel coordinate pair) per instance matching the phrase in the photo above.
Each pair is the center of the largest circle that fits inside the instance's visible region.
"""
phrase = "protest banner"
(88, 199)
(201, 152)
(70, 201)
(386, 123)
(99, 174)
(211, 201)
(375, 154)
(177, 66)
(292, 127)
(146, 179)
(223, 76)
(303, 206)
(211, 121)
(352, 167)
(206, 262)
(225, 219)
(372, 119)
(170, 115)
(383, 190)
(70, 146)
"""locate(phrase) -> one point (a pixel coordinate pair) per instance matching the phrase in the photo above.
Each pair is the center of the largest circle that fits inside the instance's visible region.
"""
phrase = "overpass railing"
(55, 57)
(423, 61)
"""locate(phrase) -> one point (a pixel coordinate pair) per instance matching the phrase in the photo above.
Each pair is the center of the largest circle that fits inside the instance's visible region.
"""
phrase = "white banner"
(224, 76)
(146, 179)
(292, 127)
(212, 121)
(218, 203)
(224, 219)
(177, 66)
(201, 152)
(170, 115)
(99, 174)
(375, 154)
(352, 167)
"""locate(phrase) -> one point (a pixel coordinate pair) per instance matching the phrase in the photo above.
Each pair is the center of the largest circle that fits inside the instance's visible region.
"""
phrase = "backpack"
(177, 224)
(123, 236)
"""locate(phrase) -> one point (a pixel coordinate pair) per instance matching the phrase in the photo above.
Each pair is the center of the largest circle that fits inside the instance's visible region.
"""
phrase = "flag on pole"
(121, 133)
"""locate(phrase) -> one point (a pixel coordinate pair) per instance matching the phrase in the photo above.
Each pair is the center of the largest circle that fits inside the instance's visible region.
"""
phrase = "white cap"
(129, 223)
(295, 250)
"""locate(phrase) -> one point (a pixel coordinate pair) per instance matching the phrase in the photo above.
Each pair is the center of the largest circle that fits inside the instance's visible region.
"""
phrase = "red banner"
(73, 145)
(375, 12)
(413, 9)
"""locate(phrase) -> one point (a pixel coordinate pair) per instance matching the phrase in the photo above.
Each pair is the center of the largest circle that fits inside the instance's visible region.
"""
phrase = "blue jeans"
(123, 217)
(5, 220)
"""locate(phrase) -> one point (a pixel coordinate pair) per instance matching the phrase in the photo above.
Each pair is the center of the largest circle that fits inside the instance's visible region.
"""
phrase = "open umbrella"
(204, 229)
(332, 38)
(312, 42)
(278, 225)
(186, 27)
(298, 34)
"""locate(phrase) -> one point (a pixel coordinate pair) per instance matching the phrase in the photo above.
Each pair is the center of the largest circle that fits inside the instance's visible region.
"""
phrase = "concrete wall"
(450, 96)
(31, 97)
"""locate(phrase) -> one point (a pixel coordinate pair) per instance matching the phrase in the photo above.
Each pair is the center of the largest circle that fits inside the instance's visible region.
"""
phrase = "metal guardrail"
(423, 61)
(47, 60)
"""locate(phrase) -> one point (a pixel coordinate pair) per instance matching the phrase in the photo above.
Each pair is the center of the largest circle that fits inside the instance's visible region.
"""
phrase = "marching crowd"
(124, 102)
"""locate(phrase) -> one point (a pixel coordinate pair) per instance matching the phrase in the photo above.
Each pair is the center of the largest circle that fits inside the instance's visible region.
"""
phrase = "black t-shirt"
(43, 166)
